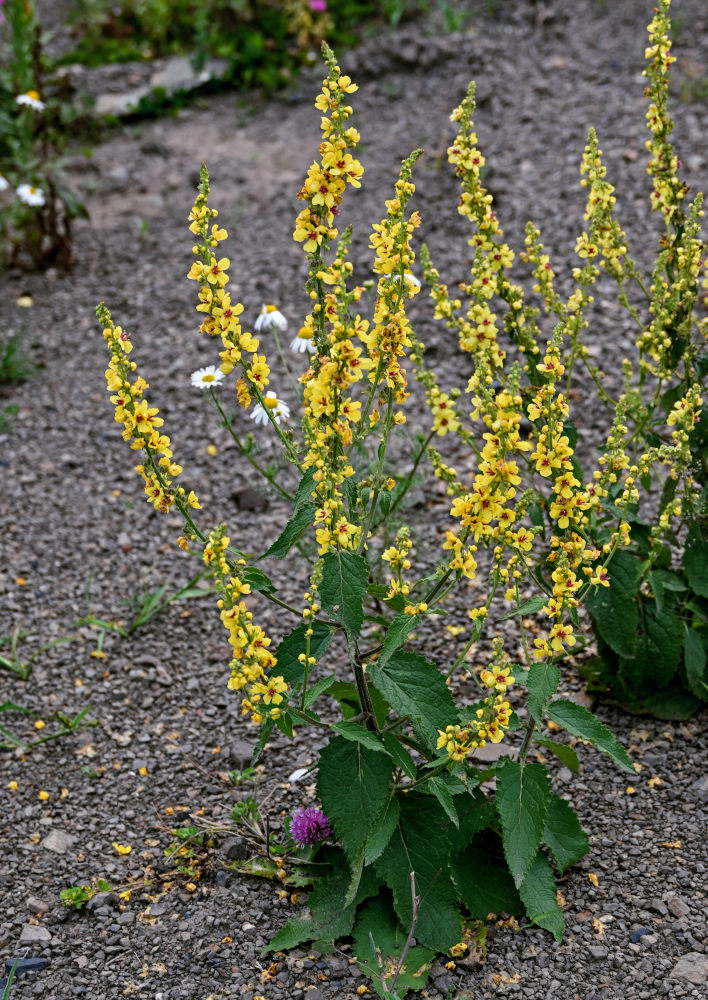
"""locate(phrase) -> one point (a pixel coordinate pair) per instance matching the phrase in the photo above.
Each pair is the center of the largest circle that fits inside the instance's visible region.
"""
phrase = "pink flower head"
(309, 826)
(318, 6)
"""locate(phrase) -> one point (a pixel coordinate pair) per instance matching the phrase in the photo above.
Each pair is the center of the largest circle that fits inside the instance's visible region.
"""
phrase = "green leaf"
(319, 687)
(382, 830)
(563, 835)
(330, 919)
(529, 607)
(523, 794)
(476, 813)
(344, 579)
(294, 643)
(578, 721)
(417, 688)
(396, 603)
(442, 793)
(258, 580)
(485, 887)
(614, 609)
(695, 560)
(303, 494)
(301, 520)
(396, 635)
(542, 684)
(695, 662)
(538, 892)
(357, 733)
(353, 784)
(418, 844)
(266, 730)
(400, 755)
(563, 752)
(346, 694)
(377, 921)
(658, 648)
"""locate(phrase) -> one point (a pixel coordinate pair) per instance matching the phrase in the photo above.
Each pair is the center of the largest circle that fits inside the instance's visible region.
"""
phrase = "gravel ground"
(77, 537)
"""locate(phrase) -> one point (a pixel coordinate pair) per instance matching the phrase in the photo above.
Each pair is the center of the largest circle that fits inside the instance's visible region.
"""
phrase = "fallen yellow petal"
(592, 877)
(122, 848)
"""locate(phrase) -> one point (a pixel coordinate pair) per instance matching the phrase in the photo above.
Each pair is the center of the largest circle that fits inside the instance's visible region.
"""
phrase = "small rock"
(33, 933)
(240, 754)
(102, 899)
(658, 906)
(700, 788)
(693, 968)
(36, 905)
(58, 841)
(314, 994)
(235, 849)
(248, 499)
(158, 909)
(635, 935)
(677, 907)
(597, 951)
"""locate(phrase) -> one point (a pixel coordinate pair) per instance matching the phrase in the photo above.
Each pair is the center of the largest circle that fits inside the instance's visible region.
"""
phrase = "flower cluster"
(140, 421)
(491, 717)
(253, 663)
(309, 826)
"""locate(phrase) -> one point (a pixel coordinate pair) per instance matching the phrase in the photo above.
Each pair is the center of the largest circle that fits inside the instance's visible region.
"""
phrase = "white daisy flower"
(207, 378)
(269, 316)
(409, 277)
(4, 183)
(278, 409)
(30, 195)
(31, 100)
(302, 343)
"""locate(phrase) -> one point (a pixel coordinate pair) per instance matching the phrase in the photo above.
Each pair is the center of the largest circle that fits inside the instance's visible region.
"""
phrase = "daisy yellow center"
(33, 94)
(270, 309)
(208, 378)
(271, 402)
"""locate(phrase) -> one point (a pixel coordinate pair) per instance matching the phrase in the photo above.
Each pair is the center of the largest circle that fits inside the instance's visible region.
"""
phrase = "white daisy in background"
(30, 195)
(303, 343)
(410, 279)
(268, 317)
(4, 183)
(31, 100)
(278, 409)
(207, 378)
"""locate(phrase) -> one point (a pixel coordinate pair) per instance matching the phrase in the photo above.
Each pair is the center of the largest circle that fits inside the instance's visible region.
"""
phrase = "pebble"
(34, 934)
(693, 968)
(58, 841)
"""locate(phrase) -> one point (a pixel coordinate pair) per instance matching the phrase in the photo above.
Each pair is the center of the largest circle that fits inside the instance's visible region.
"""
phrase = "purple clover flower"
(309, 826)
(318, 6)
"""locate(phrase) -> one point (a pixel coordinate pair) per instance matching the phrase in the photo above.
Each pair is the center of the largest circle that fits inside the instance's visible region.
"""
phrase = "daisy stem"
(256, 465)
(286, 366)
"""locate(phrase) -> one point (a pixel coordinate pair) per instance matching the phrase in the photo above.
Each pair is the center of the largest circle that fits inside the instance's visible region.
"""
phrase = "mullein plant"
(410, 840)
(36, 207)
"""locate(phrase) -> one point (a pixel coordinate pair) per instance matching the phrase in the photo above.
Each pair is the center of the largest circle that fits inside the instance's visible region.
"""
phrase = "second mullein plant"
(412, 846)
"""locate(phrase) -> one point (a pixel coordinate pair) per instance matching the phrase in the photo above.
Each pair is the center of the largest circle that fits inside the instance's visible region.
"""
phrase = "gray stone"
(58, 841)
(699, 789)
(597, 951)
(102, 901)
(692, 968)
(36, 905)
(658, 906)
(677, 907)
(34, 934)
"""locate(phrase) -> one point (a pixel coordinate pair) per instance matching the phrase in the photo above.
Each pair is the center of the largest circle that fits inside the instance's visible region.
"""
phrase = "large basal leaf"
(542, 683)
(484, 886)
(614, 608)
(578, 721)
(658, 650)
(538, 892)
(330, 918)
(476, 813)
(695, 561)
(294, 643)
(523, 794)
(377, 921)
(343, 586)
(419, 845)
(442, 793)
(416, 687)
(695, 661)
(293, 530)
(353, 784)
(563, 835)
